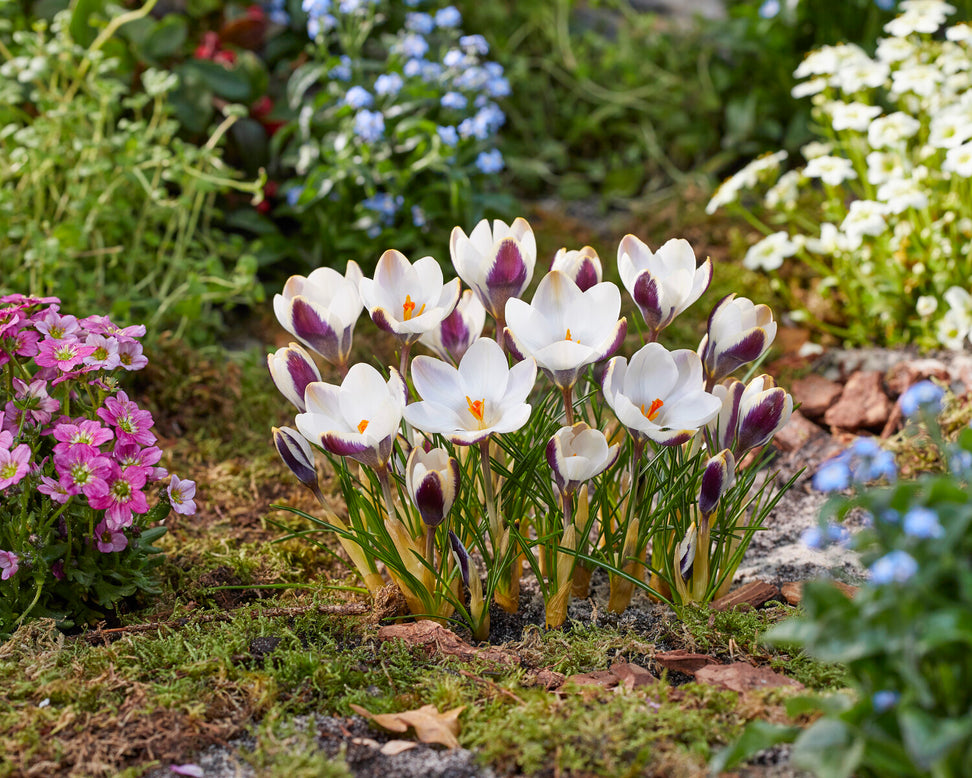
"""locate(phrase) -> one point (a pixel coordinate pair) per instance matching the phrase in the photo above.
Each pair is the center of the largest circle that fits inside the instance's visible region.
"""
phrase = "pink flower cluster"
(107, 457)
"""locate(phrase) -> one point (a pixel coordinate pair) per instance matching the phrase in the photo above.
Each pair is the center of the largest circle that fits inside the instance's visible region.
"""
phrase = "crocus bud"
(296, 453)
(738, 332)
(722, 429)
(582, 266)
(763, 411)
(577, 454)
(717, 478)
(685, 552)
(457, 331)
(291, 369)
(461, 556)
(432, 480)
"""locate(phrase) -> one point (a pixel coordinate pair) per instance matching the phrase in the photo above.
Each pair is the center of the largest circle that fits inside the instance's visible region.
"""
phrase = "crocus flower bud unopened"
(717, 478)
(457, 331)
(738, 332)
(577, 454)
(296, 453)
(764, 409)
(432, 480)
(291, 369)
(461, 556)
(685, 552)
(583, 266)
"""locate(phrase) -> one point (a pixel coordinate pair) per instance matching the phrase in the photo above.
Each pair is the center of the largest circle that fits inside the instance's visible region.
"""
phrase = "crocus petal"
(296, 454)
(292, 369)
(717, 478)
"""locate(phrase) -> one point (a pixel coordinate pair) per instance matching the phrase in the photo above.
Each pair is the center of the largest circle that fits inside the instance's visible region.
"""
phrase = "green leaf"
(228, 83)
(929, 738)
(757, 736)
(166, 38)
(302, 80)
(82, 30)
(829, 749)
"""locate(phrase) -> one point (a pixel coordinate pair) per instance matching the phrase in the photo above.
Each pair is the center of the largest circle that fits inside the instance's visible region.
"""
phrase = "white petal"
(483, 370)
(437, 381)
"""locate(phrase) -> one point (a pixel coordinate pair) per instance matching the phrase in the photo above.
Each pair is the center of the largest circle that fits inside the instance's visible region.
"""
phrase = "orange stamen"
(653, 409)
(476, 408)
(567, 336)
(362, 426)
(408, 308)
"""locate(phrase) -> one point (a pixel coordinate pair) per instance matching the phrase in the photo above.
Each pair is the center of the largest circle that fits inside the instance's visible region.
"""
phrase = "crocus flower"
(576, 454)
(9, 564)
(291, 369)
(408, 299)
(469, 403)
(663, 283)
(751, 414)
(432, 480)
(660, 395)
(457, 331)
(582, 265)
(296, 453)
(181, 492)
(358, 419)
(717, 478)
(496, 263)
(565, 329)
(738, 332)
(321, 310)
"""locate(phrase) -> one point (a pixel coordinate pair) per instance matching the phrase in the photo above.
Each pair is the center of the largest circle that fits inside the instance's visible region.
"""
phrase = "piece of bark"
(602, 678)
(548, 679)
(815, 394)
(632, 675)
(797, 433)
(743, 677)
(909, 372)
(682, 661)
(793, 591)
(750, 595)
(436, 638)
(862, 405)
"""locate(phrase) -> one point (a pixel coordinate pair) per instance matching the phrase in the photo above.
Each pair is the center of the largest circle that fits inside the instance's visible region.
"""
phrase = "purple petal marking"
(509, 271)
(462, 556)
(455, 334)
(430, 501)
(648, 298)
(760, 423)
(293, 456)
(744, 350)
(512, 345)
(555, 460)
(311, 328)
(379, 317)
(586, 275)
(713, 481)
(342, 445)
(620, 331)
(300, 371)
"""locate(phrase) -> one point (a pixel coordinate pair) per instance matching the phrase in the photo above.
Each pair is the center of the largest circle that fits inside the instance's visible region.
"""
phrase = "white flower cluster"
(888, 184)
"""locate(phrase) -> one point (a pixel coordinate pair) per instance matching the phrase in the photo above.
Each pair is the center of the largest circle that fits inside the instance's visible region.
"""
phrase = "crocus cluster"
(456, 453)
(79, 466)
(879, 209)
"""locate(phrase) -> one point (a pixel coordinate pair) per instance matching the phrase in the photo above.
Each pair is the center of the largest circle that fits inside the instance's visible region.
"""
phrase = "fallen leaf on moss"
(741, 677)
(430, 725)
(435, 638)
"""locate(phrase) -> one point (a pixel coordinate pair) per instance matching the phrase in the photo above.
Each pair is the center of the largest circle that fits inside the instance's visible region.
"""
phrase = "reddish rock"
(815, 394)
(797, 433)
(862, 405)
(743, 677)
(904, 374)
(750, 595)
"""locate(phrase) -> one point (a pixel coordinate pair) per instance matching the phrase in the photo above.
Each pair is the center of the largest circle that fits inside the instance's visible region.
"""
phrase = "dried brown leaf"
(430, 726)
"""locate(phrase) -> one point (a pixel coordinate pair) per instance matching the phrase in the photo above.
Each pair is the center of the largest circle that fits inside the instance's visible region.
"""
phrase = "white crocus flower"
(770, 252)
(662, 283)
(408, 299)
(358, 419)
(851, 116)
(321, 310)
(292, 369)
(565, 329)
(659, 395)
(432, 482)
(738, 332)
(469, 403)
(833, 171)
(496, 263)
(576, 454)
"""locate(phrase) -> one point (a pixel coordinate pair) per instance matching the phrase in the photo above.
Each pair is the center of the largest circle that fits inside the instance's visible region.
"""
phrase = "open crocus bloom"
(663, 283)
(469, 403)
(321, 310)
(660, 394)
(496, 263)
(458, 330)
(565, 329)
(408, 299)
(432, 480)
(358, 419)
(738, 332)
(582, 265)
(291, 369)
(576, 454)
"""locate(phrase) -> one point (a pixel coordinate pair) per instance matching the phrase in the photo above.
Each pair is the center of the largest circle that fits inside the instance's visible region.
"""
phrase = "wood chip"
(682, 661)
(750, 595)
(743, 677)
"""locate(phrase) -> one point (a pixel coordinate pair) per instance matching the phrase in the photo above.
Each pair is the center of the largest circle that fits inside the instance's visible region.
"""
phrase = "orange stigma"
(362, 426)
(476, 408)
(653, 409)
(567, 336)
(408, 308)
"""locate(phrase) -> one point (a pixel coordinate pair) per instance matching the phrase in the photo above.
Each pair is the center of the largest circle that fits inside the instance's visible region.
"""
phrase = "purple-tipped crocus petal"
(717, 478)
(292, 369)
(647, 296)
(764, 419)
(748, 347)
(506, 277)
(430, 500)
(462, 556)
(296, 454)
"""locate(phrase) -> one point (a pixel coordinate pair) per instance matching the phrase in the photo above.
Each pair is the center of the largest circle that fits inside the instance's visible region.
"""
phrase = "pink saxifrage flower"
(109, 539)
(81, 470)
(9, 564)
(130, 355)
(131, 423)
(81, 431)
(181, 493)
(13, 465)
(33, 400)
(53, 489)
(51, 324)
(62, 354)
(105, 355)
(121, 495)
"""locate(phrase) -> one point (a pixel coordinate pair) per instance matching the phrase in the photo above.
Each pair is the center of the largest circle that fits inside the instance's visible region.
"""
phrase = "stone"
(862, 405)
(815, 395)
(905, 374)
(797, 433)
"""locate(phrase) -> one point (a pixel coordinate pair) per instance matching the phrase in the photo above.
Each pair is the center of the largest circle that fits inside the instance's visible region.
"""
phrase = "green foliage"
(100, 200)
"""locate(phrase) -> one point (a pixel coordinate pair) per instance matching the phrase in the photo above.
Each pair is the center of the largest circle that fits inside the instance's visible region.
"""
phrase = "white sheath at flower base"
(321, 310)
(496, 263)
(662, 283)
(358, 419)
(565, 329)
(408, 299)
(457, 331)
(659, 395)
(469, 403)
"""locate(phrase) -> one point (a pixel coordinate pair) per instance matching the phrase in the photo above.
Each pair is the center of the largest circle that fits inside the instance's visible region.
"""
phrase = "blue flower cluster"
(864, 461)
(276, 11)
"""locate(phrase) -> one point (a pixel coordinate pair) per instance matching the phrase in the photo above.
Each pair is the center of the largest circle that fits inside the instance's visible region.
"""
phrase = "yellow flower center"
(477, 409)
(653, 409)
(362, 426)
(408, 308)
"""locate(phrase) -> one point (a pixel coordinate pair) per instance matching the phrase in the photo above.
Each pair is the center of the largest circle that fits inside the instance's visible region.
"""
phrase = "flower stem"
(568, 405)
(494, 523)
